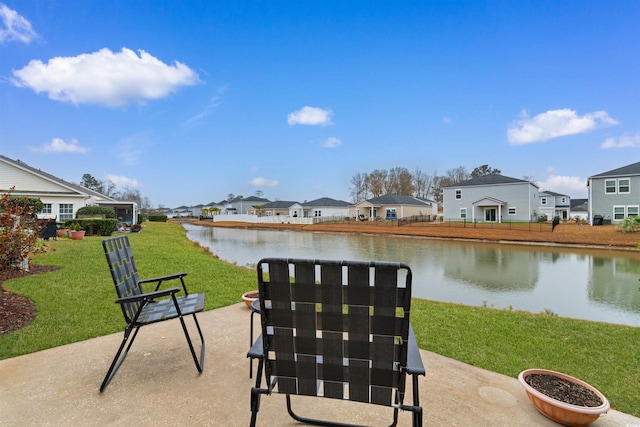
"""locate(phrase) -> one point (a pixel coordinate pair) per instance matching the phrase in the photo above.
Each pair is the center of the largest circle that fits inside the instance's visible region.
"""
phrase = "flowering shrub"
(18, 230)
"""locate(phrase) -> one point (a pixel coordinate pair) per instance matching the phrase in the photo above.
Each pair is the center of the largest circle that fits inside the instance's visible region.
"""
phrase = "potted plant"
(77, 233)
(563, 398)
(250, 297)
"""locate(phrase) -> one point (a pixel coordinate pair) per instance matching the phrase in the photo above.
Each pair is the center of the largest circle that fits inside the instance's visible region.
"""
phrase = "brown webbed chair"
(143, 308)
(336, 329)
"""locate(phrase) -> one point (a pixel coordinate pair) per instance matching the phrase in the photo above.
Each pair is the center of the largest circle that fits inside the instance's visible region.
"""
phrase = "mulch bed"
(563, 390)
(17, 311)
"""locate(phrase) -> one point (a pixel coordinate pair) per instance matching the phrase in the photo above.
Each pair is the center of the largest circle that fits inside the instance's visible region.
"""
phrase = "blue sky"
(189, 101)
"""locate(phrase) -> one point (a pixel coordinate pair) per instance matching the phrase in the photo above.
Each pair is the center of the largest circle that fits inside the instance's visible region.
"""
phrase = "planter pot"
(561, 412)
(77, 235)
(249, 297)
(61, 233)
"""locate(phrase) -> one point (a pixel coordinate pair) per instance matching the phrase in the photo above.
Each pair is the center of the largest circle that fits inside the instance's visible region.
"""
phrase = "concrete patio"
(159, 385)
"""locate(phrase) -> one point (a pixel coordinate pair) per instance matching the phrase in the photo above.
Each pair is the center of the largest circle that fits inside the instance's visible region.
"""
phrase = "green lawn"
(77, 302)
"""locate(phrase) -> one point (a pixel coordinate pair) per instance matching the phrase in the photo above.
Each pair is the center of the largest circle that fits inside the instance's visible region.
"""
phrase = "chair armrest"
(163, 278)
(256, 350)
(414, 361)
(147, 296)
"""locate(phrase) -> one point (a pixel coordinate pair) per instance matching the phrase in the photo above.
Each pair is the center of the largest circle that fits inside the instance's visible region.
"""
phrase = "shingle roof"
(397, 199)
(632, 169)
(279, 204)
(491, 179)
(326, 201)
(579, 205)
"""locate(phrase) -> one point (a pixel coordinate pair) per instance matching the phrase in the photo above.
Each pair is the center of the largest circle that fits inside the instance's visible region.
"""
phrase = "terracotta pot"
(61, 233)
(77, 235)
(248, 297)
(560, 412)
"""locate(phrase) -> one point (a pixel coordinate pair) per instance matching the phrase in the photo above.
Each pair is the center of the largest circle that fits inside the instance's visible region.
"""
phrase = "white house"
(392, 207)
(491, 198)
(61, 199)
(555, 205)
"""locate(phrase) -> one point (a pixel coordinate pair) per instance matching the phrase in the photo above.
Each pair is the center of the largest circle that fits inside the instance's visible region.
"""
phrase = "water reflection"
(581, 283)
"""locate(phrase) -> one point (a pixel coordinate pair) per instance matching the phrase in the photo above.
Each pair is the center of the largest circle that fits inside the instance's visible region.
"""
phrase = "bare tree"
(402, 181)
(422, 184)
(359, 187)
(376, 182)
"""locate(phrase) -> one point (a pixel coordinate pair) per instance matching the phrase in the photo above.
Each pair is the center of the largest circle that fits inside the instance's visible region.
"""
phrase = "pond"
(591, 284)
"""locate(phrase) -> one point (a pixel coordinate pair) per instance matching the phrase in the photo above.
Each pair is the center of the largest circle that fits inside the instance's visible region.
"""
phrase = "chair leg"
(117, 360)
(328, 423)
(199, 363)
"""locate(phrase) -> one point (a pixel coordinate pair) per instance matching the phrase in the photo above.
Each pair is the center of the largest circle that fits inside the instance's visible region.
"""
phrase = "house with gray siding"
(325, 207)
(555, 205)
(491, 198)
(615, 195)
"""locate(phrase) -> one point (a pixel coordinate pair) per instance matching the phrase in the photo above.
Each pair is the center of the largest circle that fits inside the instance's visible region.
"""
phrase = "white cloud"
(123, 181)
(572, 186)
(555, 123)
(14, 26)
(105, 78)
(624, 141)
(57, 145)
(312, 116)
(332, 142)
(263, 182)
(211, 106)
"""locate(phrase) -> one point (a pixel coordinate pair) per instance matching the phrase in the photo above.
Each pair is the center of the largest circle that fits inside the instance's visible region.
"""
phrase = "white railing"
(278, 219)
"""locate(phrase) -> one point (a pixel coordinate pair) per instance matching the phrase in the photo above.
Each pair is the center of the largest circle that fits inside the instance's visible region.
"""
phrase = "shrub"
(94, 226)
(18, 230)
(96, 211)
(629, 225)
(542, 218)
(158, 218)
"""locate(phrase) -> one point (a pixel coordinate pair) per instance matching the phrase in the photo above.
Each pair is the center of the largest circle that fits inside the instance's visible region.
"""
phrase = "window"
(632, 210)
(66, 211)
(543, 200)
(46, 209)
(563, 200)
(618, 212)
(463, 213)
(623, 185)
(610, 186)
(391, 214)
(317, 213)
(512, 211)
(458, 194)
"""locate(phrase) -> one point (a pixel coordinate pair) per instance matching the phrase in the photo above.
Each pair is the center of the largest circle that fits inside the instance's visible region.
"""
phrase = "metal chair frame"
(328, 326)
(140, 308)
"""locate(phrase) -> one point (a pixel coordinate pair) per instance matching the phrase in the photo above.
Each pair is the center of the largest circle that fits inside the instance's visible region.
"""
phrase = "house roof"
(554, 194)
(326, 201)
(279, 204)
(47, 176)
(398, 199)
(579, 205)
(491, 179)
(632, 169)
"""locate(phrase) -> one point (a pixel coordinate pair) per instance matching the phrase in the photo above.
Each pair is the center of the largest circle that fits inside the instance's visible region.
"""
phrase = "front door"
(490, 214)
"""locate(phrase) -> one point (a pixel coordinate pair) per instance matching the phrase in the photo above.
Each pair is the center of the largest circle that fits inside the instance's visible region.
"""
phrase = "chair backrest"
(123, 272)
(336, 329)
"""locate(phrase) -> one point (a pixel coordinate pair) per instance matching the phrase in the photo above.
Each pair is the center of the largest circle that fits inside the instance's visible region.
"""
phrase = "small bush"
(158, 218)
(94, 226)
(18, 230)
(629, 225)
(96, 211)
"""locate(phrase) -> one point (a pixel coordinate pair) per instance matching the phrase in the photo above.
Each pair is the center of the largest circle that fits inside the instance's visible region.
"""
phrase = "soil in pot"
(563, 390)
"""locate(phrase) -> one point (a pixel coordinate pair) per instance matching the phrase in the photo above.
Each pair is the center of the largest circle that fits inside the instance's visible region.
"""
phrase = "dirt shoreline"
(565, 234)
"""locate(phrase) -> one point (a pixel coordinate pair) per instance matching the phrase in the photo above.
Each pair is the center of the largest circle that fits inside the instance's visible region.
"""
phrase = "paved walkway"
(159, 385)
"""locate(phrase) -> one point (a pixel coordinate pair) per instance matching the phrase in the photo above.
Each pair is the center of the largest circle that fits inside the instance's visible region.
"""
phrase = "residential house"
(614, 195)
(392, 207)
(325, 207)
(61, 199)
(555, 205)
(491, 198)
(580, 209)
(277, 208)
(240, 205)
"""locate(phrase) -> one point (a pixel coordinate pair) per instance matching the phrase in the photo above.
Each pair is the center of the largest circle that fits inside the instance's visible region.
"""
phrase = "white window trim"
(615, 186)
(509, 211)
(624, 212)
(543, 201)
(463, 211)
(618, 185)
(633, 206)
(458, 194)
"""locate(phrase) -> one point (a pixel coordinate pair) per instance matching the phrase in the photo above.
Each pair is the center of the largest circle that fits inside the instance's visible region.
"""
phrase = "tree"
(18, 230)
(359, 187)
(399, 181)
(90, 182)
(259, 193)
(484, 170)
(422, 184)
(376, 182)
